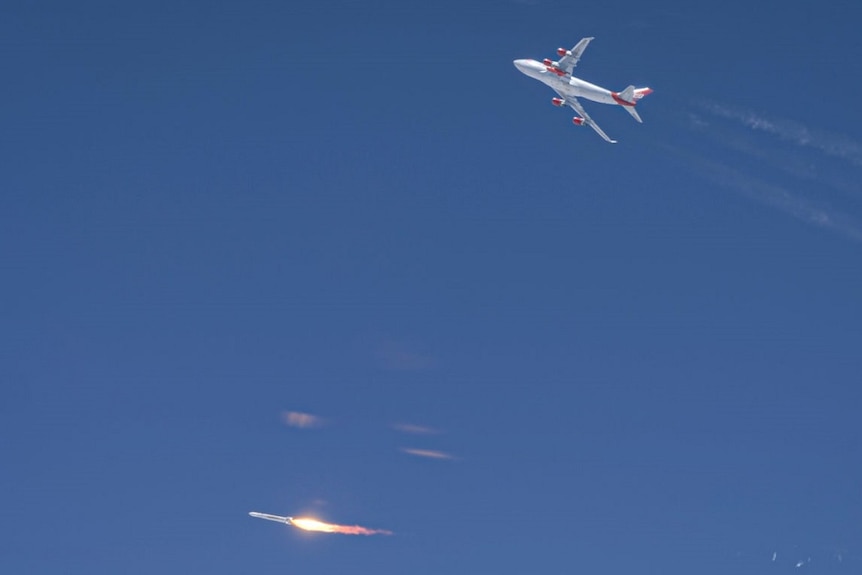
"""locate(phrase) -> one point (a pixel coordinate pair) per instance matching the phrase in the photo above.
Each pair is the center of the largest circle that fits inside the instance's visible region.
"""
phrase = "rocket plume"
(315, 525)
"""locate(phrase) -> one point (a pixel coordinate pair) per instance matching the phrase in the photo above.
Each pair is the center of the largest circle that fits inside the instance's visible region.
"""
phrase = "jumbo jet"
(558, 75)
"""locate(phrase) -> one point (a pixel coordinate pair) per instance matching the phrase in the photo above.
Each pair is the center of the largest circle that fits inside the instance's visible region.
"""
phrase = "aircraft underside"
(558, 76)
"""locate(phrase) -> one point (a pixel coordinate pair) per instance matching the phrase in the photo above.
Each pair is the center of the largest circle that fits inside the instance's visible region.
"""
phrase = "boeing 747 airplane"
(558, 75)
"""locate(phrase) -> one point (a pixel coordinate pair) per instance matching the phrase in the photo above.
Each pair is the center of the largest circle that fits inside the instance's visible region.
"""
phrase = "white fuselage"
(565, 85)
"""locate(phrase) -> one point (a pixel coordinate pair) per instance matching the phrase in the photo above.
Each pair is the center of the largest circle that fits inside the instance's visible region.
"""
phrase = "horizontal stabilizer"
(629, 97)
(631, 110)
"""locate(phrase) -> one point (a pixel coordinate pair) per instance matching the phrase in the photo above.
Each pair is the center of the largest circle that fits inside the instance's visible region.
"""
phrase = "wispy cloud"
(786, 167)
(415, 429)
(795, 161)
(302, 420)
(776, 196)
(397, 356)
(428, 453)
(831, 144)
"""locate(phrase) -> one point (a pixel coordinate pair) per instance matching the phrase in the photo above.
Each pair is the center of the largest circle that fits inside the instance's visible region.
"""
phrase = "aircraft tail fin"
(641, 92)
(629, 97)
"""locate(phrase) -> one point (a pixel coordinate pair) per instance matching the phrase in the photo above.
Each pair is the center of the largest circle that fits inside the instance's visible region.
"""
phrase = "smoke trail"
(320, 526)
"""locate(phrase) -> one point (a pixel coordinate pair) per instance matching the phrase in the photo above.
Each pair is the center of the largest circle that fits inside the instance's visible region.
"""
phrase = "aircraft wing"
(576, 106)
(570, 59)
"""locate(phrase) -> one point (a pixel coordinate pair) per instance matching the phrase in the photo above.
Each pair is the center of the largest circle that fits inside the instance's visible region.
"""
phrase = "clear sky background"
(642, 358)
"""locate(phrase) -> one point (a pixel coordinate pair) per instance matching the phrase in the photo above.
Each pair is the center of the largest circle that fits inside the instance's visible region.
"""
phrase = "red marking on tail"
(620, 101)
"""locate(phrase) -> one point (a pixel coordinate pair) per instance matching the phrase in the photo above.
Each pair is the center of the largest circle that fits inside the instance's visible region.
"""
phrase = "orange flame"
(315, 525)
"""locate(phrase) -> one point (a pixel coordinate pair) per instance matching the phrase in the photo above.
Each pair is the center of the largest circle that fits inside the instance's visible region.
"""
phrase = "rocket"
(309, 524)
(268, 517)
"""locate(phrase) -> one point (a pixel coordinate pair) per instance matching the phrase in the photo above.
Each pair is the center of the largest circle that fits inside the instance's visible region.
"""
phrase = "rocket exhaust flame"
(309, 524)
(315, 525)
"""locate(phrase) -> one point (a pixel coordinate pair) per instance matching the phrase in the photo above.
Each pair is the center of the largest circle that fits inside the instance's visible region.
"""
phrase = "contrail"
(309, 524)
(835, 145)
(773, 195)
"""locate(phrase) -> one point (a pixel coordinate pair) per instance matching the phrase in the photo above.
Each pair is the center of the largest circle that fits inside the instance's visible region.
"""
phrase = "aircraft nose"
(529, 67)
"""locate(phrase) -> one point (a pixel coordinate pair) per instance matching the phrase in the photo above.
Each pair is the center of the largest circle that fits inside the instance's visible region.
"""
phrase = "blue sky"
(641, 357)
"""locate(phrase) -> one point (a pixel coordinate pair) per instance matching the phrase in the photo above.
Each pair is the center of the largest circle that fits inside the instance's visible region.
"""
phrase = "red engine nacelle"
(557, 101)
(552, 66)
(578, 121)
(562, 51)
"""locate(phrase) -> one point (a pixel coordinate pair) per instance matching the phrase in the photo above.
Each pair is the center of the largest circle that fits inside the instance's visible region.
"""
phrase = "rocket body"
(268, 517)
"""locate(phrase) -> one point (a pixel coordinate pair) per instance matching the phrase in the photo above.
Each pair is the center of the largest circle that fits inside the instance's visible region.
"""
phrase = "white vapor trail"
(774, 195)
(794, 204)
(835, 145)
(795, 159)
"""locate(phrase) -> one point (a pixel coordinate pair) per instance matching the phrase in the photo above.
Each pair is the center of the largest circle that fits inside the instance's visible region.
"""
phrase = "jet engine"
(578, 121)
(563, 52)
(552, 66)
(557, 101)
